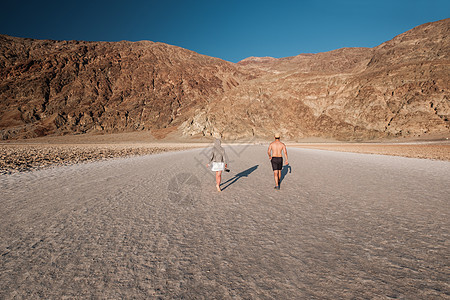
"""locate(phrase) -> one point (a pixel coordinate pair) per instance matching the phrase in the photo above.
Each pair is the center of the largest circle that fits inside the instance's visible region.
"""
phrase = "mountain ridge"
(399, 88)
(385, 91)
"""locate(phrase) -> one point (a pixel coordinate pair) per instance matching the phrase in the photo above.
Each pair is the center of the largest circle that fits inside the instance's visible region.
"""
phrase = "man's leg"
(275, 177)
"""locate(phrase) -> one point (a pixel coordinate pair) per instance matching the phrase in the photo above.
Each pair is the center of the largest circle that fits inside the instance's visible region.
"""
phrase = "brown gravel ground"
(438, 151)
(26, 157)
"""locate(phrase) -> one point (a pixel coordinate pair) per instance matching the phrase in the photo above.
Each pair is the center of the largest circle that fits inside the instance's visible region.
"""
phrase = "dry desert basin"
(99, 218)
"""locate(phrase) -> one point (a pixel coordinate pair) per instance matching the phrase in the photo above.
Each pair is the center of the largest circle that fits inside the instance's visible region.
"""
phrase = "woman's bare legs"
(218, 179)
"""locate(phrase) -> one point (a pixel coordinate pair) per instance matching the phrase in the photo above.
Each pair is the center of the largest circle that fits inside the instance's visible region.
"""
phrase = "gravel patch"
(438, 151)
(22, 158)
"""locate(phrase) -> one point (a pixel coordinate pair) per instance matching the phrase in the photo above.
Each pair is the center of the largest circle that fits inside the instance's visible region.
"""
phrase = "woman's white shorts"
(218, 166)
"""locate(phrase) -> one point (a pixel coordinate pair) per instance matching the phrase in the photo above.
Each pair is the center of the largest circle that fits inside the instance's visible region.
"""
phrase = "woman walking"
(219, 162)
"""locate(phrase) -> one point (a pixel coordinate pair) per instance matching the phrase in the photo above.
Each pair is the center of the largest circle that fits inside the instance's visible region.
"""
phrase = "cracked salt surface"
(343, 225)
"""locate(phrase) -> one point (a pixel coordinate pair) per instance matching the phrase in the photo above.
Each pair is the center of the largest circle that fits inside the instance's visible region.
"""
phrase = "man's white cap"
(277, 135)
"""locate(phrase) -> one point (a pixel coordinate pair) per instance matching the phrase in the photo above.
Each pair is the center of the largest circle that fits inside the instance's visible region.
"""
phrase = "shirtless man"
(275, 155)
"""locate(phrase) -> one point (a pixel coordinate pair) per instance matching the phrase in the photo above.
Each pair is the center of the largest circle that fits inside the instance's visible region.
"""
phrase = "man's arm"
(285, 153)
(269, 151)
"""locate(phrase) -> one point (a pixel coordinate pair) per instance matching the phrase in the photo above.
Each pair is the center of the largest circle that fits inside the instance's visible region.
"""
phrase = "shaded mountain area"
(400, 88)
(60, 87)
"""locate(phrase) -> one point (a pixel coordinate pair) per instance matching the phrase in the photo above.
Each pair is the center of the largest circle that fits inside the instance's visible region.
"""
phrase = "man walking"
(275, 155)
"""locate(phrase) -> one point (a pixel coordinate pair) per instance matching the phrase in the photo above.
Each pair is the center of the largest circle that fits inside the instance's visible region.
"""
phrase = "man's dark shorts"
(277, 163)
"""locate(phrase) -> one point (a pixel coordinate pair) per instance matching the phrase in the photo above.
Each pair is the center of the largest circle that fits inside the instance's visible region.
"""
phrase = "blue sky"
(228, 29)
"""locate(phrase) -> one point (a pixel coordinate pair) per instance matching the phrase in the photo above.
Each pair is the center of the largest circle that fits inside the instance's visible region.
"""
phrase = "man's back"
(277, 147)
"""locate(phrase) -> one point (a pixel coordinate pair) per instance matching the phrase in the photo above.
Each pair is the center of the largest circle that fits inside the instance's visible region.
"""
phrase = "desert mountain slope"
(58, 87)
(341, 61)
(399, 88)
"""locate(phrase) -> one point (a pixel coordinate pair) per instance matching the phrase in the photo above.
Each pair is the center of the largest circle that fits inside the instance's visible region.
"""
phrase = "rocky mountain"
(399, 88)
(61, 87)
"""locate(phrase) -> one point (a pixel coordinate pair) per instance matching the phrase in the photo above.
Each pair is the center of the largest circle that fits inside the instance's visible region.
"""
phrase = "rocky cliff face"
(400, 88)
(58, 87)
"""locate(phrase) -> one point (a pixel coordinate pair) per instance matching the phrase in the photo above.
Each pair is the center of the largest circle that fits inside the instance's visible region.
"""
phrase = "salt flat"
(343, 225)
